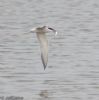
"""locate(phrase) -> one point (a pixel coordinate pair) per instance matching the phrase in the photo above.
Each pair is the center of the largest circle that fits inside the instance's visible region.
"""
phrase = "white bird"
(40, 31)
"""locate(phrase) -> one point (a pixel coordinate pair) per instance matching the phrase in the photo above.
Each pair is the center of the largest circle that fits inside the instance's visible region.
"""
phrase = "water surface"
(73, 68)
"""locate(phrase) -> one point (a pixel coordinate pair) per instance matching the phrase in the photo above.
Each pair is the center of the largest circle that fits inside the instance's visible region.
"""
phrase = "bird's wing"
(44, 48)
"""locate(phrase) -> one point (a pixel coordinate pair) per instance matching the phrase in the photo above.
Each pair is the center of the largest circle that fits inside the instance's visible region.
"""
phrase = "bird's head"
(48, 29)
(51, 29)
(43, 29)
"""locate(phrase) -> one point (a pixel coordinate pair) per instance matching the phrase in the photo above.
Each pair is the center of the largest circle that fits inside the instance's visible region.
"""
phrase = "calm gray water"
(73, 68)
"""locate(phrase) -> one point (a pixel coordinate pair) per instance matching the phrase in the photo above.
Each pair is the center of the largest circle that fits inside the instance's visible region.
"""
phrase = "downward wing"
(44, 48)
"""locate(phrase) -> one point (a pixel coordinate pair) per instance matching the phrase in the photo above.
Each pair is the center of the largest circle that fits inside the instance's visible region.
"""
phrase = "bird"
(41, 35)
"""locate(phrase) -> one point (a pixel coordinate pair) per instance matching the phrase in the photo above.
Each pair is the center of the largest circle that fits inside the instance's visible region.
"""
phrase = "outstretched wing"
(44, 48)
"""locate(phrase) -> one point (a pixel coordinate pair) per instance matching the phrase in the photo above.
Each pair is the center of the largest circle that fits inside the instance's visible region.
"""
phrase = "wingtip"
(44, 66)
(44, 63)
(33, 30)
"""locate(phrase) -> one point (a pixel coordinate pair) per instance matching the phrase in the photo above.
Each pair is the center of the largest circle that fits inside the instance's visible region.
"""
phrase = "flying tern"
(41, 35)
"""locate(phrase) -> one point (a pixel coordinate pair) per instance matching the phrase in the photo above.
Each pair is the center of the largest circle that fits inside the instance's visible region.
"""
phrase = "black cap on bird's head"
(53, 30)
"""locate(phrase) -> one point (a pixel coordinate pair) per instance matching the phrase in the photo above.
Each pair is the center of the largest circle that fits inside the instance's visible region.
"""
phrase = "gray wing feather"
(44, 48)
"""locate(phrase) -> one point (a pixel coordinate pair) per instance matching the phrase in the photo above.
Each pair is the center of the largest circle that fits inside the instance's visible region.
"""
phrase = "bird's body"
(41, 35)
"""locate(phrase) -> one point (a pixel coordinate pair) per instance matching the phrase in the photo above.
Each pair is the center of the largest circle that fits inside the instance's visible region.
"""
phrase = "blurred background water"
(73, 68)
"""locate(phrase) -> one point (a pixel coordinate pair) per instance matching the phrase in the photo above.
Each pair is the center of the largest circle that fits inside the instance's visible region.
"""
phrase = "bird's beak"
(55, 33)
